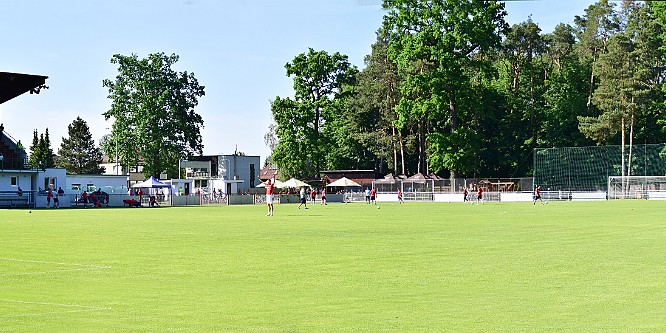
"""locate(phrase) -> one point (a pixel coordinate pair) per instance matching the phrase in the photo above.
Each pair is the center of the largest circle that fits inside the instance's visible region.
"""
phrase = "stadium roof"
(16, 84)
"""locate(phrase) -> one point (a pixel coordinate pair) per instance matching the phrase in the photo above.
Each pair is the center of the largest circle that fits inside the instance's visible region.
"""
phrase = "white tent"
(344, 182)
(293, 183)
(151, 183)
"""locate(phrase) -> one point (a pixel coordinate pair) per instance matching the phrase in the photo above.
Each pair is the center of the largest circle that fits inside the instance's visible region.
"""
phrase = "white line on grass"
(53, 271)
(55, 263)
(78, 308)
(81, 267)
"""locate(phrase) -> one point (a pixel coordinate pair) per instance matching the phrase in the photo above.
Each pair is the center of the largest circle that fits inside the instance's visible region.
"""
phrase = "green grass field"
(421, 267)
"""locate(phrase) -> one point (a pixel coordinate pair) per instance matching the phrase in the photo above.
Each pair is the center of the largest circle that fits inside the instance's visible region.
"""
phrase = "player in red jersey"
(270, 186)
(479, 195)
(537, 195)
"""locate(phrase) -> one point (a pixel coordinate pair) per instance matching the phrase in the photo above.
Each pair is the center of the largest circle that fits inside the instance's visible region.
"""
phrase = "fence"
(454, 186)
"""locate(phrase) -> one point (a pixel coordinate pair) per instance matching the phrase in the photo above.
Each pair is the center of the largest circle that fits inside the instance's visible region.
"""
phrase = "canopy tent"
(277, 184)
(151, 183)
(417, 178)
(293, 183)
(344, 182)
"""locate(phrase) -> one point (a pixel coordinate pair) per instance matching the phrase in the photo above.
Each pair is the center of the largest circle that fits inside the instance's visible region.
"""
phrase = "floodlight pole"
(117, 171)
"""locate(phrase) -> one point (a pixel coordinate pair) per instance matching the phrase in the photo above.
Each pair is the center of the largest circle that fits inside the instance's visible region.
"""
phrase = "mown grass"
(499, 267)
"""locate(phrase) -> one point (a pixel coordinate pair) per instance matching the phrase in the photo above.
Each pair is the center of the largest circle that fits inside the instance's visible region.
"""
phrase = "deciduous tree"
(153, 111)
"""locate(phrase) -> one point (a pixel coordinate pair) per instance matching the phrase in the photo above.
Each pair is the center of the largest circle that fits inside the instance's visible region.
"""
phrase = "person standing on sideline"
(84, 198)
(373, 193)
(323, 196)
(479, 195)
(367, 195)
(537, 195)
(313, 195)
(19, 192)
(465, 194)
(49, 194)
(400, 197)
(304, 201)
(269, 196)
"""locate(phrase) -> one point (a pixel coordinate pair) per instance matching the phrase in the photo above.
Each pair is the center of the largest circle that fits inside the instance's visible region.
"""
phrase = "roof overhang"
(16, 84)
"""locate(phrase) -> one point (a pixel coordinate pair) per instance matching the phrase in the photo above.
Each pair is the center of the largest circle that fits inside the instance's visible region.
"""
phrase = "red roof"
(267, 173)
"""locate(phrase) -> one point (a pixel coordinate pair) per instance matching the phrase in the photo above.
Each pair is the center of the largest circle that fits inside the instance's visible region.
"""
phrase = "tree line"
(450, 88)
(154, 123)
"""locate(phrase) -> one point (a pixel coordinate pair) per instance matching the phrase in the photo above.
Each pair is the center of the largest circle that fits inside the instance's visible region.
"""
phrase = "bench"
(14, 201)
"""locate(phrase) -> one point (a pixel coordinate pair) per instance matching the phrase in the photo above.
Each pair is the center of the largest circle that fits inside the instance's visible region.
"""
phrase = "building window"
(14, 181)
(50, 183)
(200, 183)
(252, 175)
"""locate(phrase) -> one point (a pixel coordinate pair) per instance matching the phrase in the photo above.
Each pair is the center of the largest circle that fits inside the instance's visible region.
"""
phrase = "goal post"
(590, 168)
(637, 187)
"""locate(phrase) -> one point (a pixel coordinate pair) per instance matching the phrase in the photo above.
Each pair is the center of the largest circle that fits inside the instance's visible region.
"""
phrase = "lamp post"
(117, 171)
(116, 139)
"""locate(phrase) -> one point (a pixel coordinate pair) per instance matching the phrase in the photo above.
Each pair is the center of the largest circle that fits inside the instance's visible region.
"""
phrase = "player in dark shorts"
(537, 195)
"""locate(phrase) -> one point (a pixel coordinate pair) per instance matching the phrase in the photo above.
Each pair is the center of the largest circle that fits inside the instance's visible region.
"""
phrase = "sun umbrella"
(344, 182)
(292, 183)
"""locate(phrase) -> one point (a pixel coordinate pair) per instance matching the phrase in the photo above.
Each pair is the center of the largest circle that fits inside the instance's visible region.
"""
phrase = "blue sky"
(236, 48)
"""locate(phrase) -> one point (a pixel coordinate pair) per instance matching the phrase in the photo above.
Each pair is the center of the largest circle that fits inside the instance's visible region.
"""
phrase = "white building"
(231, 173)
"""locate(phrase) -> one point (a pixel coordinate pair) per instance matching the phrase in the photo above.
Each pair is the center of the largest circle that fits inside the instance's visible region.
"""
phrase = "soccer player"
(304, 201)
(373, 194)
(465, 194)
(400, 197)
(323, 196)
(537, 195)
(269, 196)
(367, 195)
(479, 195)
(313, 195)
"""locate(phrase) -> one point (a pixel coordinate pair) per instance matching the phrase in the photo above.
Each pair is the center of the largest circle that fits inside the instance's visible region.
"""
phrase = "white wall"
(108, 183)
(230, 166)
(515, 197)
(23, 179)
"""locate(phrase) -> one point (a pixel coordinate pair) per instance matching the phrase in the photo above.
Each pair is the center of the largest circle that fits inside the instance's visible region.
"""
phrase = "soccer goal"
(590, 168)
(637, 187)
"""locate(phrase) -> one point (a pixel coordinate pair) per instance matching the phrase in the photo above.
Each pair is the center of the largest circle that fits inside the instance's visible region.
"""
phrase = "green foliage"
(319, 81)
(78, 153)
(457, 150)
(153, 111)
(41, 156)
(443, 91)
(440, 45)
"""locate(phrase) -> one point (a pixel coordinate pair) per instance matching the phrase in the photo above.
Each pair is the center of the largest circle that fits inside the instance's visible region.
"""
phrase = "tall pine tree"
(78, 153)
(41, 154)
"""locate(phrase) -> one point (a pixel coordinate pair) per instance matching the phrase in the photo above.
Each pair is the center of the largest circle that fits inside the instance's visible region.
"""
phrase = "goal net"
(589, 168)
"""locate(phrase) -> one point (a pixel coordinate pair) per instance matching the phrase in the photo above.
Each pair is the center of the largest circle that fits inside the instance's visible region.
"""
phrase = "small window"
(14, 181)
(50, 183)
(252, 175)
